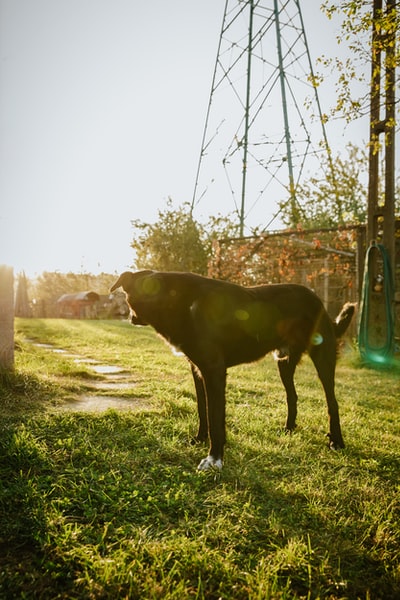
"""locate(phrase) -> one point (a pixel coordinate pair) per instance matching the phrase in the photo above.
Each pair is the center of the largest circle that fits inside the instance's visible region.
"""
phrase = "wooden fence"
(326, 261)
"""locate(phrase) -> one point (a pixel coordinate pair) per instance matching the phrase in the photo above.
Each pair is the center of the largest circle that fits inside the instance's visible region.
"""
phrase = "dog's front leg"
(215, 382)
(202, 433)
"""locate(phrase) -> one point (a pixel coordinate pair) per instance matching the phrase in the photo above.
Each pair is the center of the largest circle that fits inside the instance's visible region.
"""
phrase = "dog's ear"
(123, 281)
(126, 279)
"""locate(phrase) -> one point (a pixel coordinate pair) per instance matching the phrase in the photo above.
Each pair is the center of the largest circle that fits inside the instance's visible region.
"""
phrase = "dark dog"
(217, 325)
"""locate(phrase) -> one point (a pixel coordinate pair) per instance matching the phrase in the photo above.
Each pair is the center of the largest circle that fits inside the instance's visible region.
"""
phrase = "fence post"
(6, 317)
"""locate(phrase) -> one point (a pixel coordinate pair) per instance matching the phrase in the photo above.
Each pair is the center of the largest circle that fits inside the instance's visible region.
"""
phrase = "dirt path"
(95, 400)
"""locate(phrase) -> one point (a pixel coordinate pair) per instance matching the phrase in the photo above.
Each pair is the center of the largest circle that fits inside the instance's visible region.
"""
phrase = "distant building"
(82, 305)
(90, 305)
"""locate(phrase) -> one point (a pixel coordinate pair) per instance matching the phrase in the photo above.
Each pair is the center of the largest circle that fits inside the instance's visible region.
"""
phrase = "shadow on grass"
(82, 492)
(23, 393)
(110, 505)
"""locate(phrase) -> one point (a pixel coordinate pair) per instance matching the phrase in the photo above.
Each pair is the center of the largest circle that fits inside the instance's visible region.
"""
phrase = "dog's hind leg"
(287, 367)
(215, 383)
(324, 359)
(202, 433)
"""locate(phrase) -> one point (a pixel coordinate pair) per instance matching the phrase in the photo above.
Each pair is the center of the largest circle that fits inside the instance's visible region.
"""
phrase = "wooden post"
(390, 128)
(360, 257)
(381, 219)
(377, 316)
(375, 212)
(6, 318)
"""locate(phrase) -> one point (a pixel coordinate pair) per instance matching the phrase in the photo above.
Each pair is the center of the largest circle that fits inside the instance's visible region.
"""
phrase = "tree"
(49, 286)
(22, 306)
(333, 198)
(176, 241)
(340, 195)
(353, 74)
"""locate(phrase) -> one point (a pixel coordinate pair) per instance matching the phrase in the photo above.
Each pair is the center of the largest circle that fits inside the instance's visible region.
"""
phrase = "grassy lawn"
(110, 505)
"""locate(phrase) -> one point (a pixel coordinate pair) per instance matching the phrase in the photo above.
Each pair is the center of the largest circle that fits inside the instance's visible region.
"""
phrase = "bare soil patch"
(114, 377)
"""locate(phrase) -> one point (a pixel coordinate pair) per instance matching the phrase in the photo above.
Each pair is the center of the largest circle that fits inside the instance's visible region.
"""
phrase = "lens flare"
(241, 314)
(316, 339)
(150, 286)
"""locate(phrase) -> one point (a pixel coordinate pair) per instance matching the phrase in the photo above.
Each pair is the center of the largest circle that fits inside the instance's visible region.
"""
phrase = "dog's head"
(134, 285)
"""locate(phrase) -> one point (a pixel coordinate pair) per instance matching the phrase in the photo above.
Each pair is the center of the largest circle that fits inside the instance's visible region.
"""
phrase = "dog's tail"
(343, 319)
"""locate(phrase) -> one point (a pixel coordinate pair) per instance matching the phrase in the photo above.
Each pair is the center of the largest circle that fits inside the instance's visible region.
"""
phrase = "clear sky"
(102, 108)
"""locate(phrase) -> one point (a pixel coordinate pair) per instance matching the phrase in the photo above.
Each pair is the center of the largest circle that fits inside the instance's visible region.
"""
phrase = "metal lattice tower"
(264, 124)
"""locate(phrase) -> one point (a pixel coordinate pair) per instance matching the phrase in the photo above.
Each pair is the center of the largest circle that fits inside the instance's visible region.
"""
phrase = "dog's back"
(247, 323)
(200, 315)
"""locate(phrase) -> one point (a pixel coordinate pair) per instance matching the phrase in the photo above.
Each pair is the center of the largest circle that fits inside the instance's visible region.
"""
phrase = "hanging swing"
(376, 319)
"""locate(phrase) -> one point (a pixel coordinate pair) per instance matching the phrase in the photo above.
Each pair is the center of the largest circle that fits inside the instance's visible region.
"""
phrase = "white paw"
(210, 463)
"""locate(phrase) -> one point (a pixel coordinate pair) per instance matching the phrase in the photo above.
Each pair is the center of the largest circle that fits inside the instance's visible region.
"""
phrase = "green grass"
(110, 505)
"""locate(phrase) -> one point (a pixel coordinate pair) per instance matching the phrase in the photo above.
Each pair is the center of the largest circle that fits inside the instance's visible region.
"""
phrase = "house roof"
(79, 297)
